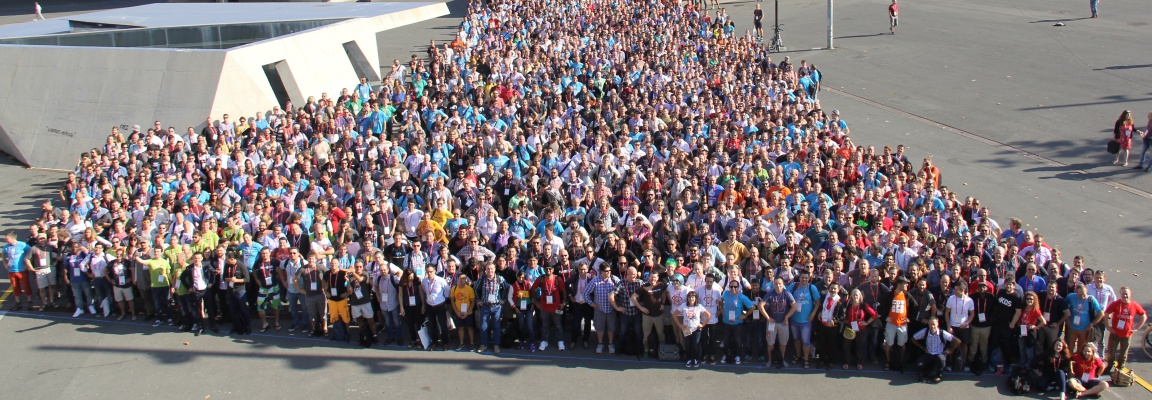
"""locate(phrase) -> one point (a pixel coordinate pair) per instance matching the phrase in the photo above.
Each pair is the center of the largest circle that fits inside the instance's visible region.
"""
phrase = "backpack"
(340, 331)
(1019, 383)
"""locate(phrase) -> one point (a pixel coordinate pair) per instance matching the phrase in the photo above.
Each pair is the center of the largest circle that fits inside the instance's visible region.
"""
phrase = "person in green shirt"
(159, 275)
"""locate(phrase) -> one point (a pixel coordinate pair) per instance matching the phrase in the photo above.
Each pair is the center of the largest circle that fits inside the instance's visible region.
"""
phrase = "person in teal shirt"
(1081, 309)
(16, 254)
(735, 307)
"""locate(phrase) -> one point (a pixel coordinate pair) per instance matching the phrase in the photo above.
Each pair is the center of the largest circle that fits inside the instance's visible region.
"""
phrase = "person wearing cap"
(896, 306)
(985, 303)
(675, 295)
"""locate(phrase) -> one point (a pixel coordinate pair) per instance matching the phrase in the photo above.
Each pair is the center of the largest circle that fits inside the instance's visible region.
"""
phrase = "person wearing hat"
(894, 307)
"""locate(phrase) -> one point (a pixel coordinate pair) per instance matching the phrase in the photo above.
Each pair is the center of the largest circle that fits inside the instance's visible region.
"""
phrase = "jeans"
(185, 303)
(526, 324)
(392, 324)
(692, 345)
(733, 340)
(216, 304)
(629, 322)
(437, 323)
(238, 310)
(1027, 350)
(103, 292)
(1144, 154)
(548, 321)
(1094, 5)
(160, 303)
(581, 322)
(931, 365)
(707, 340)
(754, 337)
(490, 319)
(296, 309)
(82, 291)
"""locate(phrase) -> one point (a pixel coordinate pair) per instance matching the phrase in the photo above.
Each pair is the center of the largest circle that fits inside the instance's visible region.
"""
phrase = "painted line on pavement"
(4, 297)
(1002, 146)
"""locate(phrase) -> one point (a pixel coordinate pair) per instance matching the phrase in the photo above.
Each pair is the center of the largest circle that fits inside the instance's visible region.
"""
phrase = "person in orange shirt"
(896, 305)
(932, 173)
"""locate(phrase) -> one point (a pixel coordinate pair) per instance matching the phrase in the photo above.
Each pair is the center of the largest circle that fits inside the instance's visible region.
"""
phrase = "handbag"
(1113, 146)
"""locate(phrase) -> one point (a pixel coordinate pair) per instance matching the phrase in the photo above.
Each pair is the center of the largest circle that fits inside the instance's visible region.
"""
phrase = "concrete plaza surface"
(1014, 110)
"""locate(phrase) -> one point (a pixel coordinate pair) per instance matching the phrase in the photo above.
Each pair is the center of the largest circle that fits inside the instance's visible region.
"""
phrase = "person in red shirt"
(1122, 321)
(893, 16)
(1086, 369)
(550, 301)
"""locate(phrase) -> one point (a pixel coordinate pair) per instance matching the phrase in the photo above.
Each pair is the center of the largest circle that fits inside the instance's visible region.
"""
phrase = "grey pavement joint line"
(990, 142)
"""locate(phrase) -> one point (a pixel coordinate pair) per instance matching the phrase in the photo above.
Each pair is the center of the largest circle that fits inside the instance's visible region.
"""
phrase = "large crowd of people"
(629, 176)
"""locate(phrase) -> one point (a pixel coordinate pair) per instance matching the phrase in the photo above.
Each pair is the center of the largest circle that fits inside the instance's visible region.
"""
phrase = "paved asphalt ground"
(1015, 110)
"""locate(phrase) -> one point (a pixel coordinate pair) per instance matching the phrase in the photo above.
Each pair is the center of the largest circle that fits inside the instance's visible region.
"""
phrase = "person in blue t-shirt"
(1084, 311)
(735, 306)
(18, 263)
(801, 323)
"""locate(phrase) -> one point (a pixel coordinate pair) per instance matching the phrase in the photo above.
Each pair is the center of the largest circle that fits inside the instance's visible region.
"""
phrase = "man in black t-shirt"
(1006, 316)
(650, 299)
(360, 300)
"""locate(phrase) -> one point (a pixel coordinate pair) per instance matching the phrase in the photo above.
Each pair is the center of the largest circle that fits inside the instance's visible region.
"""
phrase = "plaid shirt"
(600, 290)
(624, 292)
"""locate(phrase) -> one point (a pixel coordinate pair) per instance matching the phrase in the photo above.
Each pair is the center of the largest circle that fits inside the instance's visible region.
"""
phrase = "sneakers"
(79, 312)
(737, 360)
(157, 323)
(611, 349)
(496, 349)
(599, 349)
(559, 345)
(688, 364)
(92, 309)
(543, 345)
(723, 359)
(482, 349)
(532, 348)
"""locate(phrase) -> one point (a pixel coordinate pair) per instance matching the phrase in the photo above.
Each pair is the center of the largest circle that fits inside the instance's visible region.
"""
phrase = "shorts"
(894, 21)
(122, 294)
(338, 311)
(314, 306)
(778, 335)
(801, 332)
(466, 322)
(963, 334)
(605, 322)
(757, 24)
(45, 277)
(20, 284)
(895, 335)
(362, 310)
(268, 298)
(1091, 383)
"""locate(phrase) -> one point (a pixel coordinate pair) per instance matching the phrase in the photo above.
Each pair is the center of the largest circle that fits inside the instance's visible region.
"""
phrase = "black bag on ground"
(1113, 147)
(1020, 382)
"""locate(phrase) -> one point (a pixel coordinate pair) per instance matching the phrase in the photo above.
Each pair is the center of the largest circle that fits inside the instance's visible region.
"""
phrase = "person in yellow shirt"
(441, 214)
(159, 276)
(430, 225)
(463, 304)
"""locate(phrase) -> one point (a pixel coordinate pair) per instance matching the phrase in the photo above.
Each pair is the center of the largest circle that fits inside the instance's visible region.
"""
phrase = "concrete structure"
(65, 82)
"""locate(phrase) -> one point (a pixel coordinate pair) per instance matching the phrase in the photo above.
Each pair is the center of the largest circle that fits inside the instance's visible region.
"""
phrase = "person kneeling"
(937, 345)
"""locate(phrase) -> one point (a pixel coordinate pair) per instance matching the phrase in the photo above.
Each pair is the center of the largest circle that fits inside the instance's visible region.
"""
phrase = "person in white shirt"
(1101, 291)
(411, 218)
(436, 291)
(690, 320)
(677, 295)
(97, 263)
(709, 295)
(959, 311)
